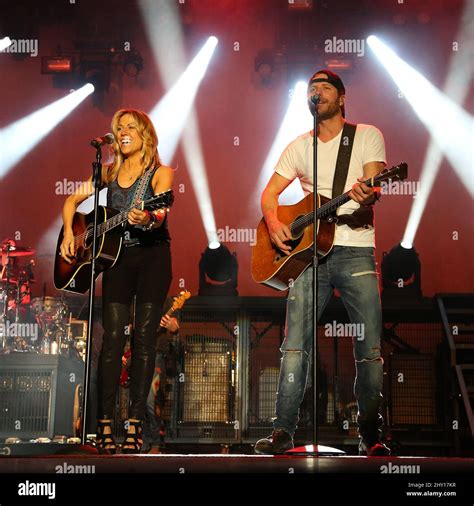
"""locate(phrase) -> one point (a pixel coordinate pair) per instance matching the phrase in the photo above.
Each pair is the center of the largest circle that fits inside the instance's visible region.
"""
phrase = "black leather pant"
(116, 320)
(146, 273)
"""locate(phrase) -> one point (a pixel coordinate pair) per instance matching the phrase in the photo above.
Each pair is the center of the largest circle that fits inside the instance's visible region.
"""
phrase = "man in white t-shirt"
(349, 267)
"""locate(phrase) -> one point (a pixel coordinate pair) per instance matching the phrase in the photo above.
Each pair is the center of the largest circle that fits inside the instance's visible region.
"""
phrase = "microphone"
(315, 98)
(98, 142)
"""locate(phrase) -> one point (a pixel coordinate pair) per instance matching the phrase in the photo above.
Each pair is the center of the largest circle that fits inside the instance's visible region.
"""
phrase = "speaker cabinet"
(413, 389)
(207, 380)
(267, 387)
(38, 395)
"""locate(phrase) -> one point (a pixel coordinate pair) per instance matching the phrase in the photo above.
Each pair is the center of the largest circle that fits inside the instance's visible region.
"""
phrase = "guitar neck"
(170, 311)
(326, 209)
(122, 216)
(113, 222)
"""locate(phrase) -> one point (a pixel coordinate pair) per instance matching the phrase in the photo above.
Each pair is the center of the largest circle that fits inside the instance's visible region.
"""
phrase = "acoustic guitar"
(75, 276)
(272, 267)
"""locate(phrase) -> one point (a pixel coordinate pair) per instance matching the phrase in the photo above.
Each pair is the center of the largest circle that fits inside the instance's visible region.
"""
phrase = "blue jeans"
(352, 271)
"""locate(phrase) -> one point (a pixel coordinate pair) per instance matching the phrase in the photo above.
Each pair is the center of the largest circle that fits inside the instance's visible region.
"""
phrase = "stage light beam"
(297, 120)
(451, 127)
(176, 110)
(4, 43)
(457, 86)
(173, 110)
(20, 137)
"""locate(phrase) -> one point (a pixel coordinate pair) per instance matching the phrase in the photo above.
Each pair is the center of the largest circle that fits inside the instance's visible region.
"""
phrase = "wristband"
(149, 225)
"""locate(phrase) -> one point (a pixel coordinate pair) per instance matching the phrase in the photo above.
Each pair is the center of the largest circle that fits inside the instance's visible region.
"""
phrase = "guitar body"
(75, 277)
(271, 266)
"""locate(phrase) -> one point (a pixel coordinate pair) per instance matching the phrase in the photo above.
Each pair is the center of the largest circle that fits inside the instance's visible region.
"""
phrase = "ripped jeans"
(352, 271)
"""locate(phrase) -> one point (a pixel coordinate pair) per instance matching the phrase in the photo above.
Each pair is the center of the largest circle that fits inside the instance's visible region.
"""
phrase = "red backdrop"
(229, 103)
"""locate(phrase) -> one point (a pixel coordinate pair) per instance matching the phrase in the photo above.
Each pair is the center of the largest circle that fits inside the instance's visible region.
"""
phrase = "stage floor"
(235, 479)
(231, 464)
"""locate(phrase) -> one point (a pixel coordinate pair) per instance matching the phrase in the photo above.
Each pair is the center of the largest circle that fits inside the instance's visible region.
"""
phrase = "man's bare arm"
(279, 232)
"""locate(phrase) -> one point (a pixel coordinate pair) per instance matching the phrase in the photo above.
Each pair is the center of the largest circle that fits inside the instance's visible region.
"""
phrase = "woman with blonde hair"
(143, 269)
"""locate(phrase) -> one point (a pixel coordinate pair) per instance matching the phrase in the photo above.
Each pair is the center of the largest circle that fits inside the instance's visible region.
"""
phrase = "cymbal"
(17, 251)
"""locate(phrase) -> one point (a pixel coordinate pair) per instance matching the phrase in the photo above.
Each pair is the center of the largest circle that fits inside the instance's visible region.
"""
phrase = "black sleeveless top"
(135, 235)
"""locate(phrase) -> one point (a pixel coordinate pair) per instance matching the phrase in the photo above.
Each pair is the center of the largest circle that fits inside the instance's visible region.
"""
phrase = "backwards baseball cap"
(331, 78)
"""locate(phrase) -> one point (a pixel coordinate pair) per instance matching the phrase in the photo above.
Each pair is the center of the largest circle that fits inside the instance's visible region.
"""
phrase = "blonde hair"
(146, 132)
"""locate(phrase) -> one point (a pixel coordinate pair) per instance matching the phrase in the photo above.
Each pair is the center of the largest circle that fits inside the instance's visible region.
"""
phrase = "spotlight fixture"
(300, 5)
(133, 63)
(57, 65)
(265, 66)
(401, 274)
(91, 63)
(339, 64)
(218, 271)
(97, 73)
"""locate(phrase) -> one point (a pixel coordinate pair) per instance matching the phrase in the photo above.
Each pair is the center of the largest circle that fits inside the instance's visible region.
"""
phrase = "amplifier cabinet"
(207, 381)
(413, 389)
(38, 395)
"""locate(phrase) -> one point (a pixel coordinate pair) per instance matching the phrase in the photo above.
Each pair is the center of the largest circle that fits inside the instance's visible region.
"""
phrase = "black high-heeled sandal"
(105, 441)
(134, 439)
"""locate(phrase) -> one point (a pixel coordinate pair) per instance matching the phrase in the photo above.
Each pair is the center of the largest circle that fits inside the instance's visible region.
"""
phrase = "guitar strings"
(306, 219)
(84, 236)
(330, 206)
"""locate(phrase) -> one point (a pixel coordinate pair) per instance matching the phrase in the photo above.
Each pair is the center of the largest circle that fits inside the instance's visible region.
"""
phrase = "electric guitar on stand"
(178, 303)
(272, 267)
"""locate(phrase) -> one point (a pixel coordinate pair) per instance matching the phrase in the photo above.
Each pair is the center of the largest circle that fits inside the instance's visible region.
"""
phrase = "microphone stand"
(315, 274)
(315, 449)
(96, 180)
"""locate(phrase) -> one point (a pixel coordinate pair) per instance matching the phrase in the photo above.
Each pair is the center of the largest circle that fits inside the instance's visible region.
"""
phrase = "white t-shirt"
(296, 161)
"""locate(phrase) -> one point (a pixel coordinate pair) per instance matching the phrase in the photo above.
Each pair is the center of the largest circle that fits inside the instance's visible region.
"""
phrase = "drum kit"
(40, 325)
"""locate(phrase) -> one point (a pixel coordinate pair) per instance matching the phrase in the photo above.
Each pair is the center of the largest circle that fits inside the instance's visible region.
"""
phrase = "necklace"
(130, 175)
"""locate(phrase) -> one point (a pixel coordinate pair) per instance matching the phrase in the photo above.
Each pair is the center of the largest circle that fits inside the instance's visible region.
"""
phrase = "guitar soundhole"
(279, 255)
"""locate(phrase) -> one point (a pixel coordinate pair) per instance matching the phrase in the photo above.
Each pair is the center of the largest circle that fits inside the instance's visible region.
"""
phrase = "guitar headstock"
(396, 173)
(160, 201)
(179, 300)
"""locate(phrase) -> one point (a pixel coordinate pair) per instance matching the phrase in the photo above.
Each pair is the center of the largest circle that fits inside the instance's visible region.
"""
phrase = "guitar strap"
(343, 159)
(141, 188)
(364, 216)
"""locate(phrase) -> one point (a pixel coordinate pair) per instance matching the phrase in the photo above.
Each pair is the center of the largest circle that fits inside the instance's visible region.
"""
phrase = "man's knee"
(292, 352)
(371, 356)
